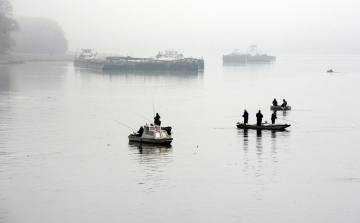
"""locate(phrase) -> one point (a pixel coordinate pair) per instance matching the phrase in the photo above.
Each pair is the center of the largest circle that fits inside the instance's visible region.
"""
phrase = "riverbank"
(11, 58)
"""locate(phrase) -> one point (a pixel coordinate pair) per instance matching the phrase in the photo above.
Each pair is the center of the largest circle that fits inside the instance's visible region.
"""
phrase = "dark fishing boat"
(264, 126)
(280, 108)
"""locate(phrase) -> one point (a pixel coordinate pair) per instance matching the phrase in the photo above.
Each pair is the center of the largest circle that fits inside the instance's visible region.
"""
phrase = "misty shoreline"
(16, 58)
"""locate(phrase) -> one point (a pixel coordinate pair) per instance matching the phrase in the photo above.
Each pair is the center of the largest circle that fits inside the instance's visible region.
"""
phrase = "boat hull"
(88, 63)
(280, 108)
(161, 141)
(265, 127)
(246, 58)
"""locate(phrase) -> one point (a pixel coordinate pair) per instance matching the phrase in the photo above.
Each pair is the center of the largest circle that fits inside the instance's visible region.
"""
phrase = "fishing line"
(289, 121)
(153, 104)
(142, 117)
(123, 124)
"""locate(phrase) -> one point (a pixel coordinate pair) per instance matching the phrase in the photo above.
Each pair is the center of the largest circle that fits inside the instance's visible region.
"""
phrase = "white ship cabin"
(253, 51)
(154, 132)
(87, 54)
(236, 52)
(169, 55)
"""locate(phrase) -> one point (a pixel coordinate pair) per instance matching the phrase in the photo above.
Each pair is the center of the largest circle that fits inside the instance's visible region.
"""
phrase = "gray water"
(63, 158)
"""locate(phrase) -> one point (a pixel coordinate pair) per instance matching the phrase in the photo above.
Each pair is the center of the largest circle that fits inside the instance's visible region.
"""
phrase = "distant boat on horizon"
(253, 56)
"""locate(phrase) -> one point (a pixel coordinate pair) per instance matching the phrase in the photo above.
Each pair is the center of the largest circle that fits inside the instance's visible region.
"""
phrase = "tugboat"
(266, 126)
(151, 133)
(88, 59)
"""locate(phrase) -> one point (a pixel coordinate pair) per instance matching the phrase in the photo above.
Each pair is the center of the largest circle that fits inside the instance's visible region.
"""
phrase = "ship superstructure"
(253, 55)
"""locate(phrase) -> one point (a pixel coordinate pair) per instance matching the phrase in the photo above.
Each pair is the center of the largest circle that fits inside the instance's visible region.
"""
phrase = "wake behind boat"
(151, 134)
(265, 126)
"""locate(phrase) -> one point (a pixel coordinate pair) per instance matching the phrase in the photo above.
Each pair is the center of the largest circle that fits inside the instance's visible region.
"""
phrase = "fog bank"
(142, 28)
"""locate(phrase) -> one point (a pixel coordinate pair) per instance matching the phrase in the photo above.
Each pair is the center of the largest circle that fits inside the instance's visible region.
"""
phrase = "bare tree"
(7, 26)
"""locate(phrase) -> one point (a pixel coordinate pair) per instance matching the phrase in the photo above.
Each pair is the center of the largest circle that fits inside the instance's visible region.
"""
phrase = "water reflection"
(245, 133)
(150, 149)
(5, 78)
(153, 160)
(161, 73)
(248, 64)
(32, 77)
(260, 146)
(259, 142)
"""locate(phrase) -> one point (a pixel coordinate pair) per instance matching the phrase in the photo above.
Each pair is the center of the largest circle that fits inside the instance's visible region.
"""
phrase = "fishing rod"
(124, 124)
(142, 117)
(153, 105)
(289, 121)
(234, 116)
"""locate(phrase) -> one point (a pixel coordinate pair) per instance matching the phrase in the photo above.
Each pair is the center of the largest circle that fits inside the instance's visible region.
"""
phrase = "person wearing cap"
(284, 103)
(273, 117)
(275, 102)
(246, 117)
(259, 117)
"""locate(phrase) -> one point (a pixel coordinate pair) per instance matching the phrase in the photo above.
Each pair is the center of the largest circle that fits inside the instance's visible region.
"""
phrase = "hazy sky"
(197, 27)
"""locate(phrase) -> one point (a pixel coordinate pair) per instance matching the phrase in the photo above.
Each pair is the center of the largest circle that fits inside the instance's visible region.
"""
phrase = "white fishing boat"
(280, 108)
(266, 126)
(151, 134)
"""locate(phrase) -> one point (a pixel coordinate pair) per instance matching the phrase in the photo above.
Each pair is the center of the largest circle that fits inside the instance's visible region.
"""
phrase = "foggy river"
(63, 158)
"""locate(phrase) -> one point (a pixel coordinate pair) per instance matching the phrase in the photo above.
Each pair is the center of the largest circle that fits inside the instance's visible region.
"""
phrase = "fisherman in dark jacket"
(284, 103)
(140, 132)
(157, 119)
(273, 117)
(246, 117)
(275, 102)
(259, 117)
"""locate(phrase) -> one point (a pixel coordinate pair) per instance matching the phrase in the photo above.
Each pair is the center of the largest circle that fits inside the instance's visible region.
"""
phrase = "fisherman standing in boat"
(284, 103)
(275, 102)
(259, 117)
(273, 117)
(157, 119)
(246, 117)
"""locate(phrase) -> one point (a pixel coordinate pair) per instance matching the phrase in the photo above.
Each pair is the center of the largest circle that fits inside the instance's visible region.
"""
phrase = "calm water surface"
(63, 158)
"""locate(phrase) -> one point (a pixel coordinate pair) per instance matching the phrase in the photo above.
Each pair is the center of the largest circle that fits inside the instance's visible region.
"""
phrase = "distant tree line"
(7, 26)
(28, 34)
(39, 36)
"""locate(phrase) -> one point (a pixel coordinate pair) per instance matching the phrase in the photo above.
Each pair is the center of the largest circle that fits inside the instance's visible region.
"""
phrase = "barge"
(171, 60)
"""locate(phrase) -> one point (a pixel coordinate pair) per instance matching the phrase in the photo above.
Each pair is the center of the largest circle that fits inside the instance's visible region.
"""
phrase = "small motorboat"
(265, 126)
(330, 71)
(151, 134)
(280, 108)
